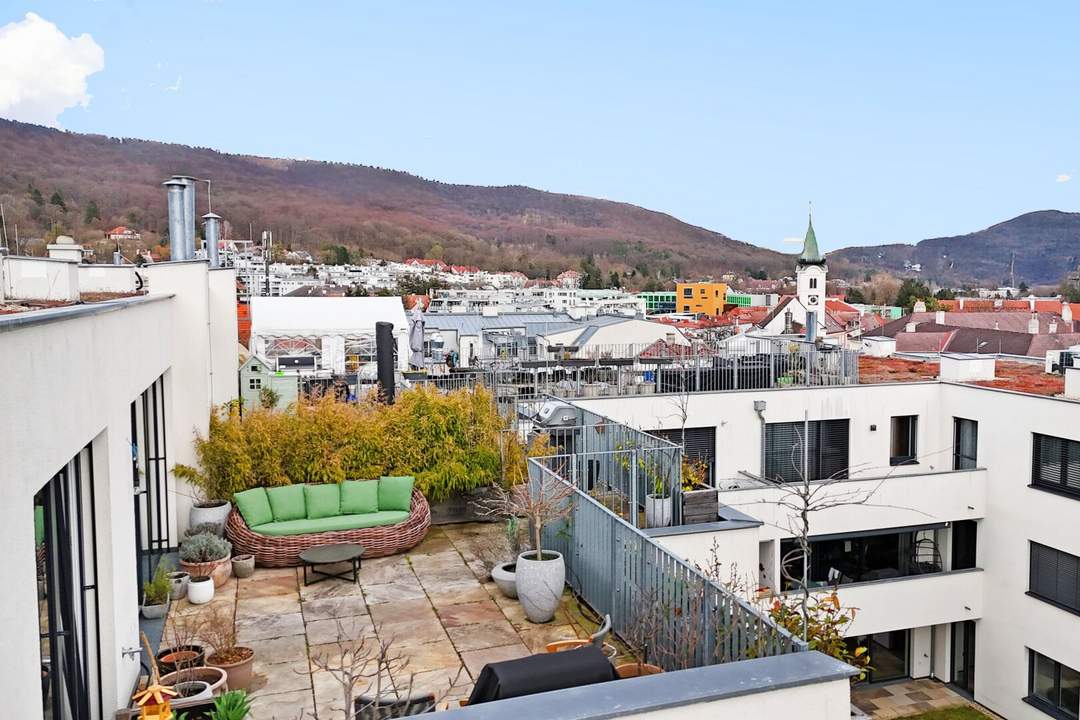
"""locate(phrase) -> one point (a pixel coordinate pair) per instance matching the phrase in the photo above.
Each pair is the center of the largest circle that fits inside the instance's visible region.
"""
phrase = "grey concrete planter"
(210, 513)
(243, 566)
(179, 580)
(504, 577)
(540, 584)
(155, 612)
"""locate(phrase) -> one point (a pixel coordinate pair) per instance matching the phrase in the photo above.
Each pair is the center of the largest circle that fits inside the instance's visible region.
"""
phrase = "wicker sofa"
(279, 542)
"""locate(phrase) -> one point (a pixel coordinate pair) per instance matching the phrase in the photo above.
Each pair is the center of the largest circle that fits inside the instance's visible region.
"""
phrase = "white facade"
(997, 495)
(74, 373)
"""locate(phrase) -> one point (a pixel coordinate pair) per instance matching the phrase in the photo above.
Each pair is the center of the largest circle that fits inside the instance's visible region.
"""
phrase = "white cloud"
(1063, 177)
(43, 71)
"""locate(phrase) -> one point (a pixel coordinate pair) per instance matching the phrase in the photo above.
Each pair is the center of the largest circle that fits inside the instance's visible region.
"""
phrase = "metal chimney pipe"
(212, 227)
(189, 213)
(177, 231)
(811, 326)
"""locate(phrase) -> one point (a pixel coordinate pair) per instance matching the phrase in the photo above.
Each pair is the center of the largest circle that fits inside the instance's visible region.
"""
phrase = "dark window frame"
(912, 431)
(1054, 588)
(1067, 451)
(825, 461)
(962, 461)
(1050, 707)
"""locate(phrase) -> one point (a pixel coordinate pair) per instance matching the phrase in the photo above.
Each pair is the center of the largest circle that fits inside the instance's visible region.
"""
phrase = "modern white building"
(956, 530)
(102, 399)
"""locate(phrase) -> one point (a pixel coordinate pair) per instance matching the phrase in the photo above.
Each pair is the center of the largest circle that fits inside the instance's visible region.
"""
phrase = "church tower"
(810, 274)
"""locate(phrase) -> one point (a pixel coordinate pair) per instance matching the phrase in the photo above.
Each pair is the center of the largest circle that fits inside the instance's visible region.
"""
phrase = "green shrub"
(451, 442)
(156, 589)
(204, 547)
(202, 529)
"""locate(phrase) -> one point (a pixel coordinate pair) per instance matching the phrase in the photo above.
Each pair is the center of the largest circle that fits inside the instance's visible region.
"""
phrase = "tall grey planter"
(540, 585)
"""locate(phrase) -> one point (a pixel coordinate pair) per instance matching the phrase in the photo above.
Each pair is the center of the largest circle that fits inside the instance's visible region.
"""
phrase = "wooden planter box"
(700, 506)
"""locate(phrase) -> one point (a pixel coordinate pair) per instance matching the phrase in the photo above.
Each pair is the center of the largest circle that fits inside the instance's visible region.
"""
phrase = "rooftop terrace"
(1010, 375)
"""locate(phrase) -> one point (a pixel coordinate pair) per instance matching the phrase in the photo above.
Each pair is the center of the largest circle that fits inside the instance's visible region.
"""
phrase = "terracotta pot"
(184, 656)
(629, 670)
(219, 570)
(215, 677)
(239, 672)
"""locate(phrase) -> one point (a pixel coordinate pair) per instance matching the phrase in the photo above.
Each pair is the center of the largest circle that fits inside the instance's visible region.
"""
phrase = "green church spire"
(810, 253)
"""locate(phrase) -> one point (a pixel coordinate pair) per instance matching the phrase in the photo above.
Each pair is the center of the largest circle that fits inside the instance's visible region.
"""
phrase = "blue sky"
(899, 122)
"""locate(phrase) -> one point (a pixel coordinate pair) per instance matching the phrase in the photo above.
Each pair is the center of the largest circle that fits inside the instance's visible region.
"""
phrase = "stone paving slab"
(435, 605)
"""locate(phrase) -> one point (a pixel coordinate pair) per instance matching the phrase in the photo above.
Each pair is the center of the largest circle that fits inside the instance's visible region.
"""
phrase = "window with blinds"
(826, 442)
(1055, 464)
(1055, 577)
(965, 444)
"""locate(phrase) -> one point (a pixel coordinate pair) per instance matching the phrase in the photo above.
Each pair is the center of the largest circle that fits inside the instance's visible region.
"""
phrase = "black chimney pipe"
(384, 355)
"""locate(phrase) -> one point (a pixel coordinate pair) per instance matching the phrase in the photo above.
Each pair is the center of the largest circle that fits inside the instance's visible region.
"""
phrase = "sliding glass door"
(65, 540)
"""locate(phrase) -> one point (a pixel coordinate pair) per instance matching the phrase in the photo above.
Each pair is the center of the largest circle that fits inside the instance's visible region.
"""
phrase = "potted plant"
(200, 589)
(646, 622)
(215, 677)
(212, 489)
(539, 574)
(181, 651)
(699, 499)
(219, 632)
(178, 580)
(206, 554)
(156, 594)
(233, 705)
(243, 565)
(658, 503)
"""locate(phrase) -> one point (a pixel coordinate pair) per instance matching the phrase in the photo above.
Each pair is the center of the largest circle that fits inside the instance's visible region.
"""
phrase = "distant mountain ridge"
(1045, 245)
(369, 210)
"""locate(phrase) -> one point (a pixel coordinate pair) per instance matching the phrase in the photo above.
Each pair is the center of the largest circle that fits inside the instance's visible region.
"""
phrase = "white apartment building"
(101, 401)
(963, 558)
(575, 301)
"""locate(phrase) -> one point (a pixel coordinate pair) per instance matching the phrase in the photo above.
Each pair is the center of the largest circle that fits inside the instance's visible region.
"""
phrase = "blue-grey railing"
(672, 612)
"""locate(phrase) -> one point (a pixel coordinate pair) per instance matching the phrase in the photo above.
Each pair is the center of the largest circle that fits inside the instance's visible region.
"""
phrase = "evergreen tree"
(91, 213)
(614, 279)
(58, 200)
(35, 195)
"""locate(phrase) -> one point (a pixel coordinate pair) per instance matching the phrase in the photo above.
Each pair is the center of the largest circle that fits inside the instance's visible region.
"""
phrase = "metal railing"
(666, 366)
(671, 612)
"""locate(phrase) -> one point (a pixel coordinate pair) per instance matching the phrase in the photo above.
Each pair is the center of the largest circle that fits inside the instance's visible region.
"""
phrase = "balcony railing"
(671, 611)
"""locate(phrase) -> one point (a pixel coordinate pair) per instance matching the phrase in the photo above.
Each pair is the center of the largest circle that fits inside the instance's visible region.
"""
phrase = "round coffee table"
(330, 555)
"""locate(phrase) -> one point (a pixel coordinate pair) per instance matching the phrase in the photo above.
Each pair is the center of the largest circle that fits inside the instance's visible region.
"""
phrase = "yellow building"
(702, 298)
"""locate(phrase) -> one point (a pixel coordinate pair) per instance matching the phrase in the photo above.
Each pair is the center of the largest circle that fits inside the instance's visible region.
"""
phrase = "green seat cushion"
(254, 506)
(359, 496)
(287, 502)
(337, 522)
(395, 493)
(39, 524)
(322, 500)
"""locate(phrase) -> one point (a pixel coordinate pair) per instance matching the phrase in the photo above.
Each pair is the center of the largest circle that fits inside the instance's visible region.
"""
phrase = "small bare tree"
(374, 678)
(540, 502)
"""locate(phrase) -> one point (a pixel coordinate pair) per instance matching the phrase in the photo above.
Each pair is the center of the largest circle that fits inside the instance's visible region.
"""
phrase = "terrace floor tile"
(334, 607)
(269, 626)
(474, 613)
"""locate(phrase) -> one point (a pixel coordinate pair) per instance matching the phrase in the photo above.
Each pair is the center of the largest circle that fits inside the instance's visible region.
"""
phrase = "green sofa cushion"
(39, 524)
(338, 522)
(395, 493)
(254, 506)
(287, 502)
(359, 496)
(322, 500)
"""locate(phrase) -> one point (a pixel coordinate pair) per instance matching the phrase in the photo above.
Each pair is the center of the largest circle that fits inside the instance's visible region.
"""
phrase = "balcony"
(894, 501)
(914, 601)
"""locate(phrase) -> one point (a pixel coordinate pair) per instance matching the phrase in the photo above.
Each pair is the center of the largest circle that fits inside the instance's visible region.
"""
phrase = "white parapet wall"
(35, 278)
(107, 279)
(1072, 383)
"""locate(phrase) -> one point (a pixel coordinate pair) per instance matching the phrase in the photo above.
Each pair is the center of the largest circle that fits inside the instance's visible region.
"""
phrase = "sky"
(898, 122)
